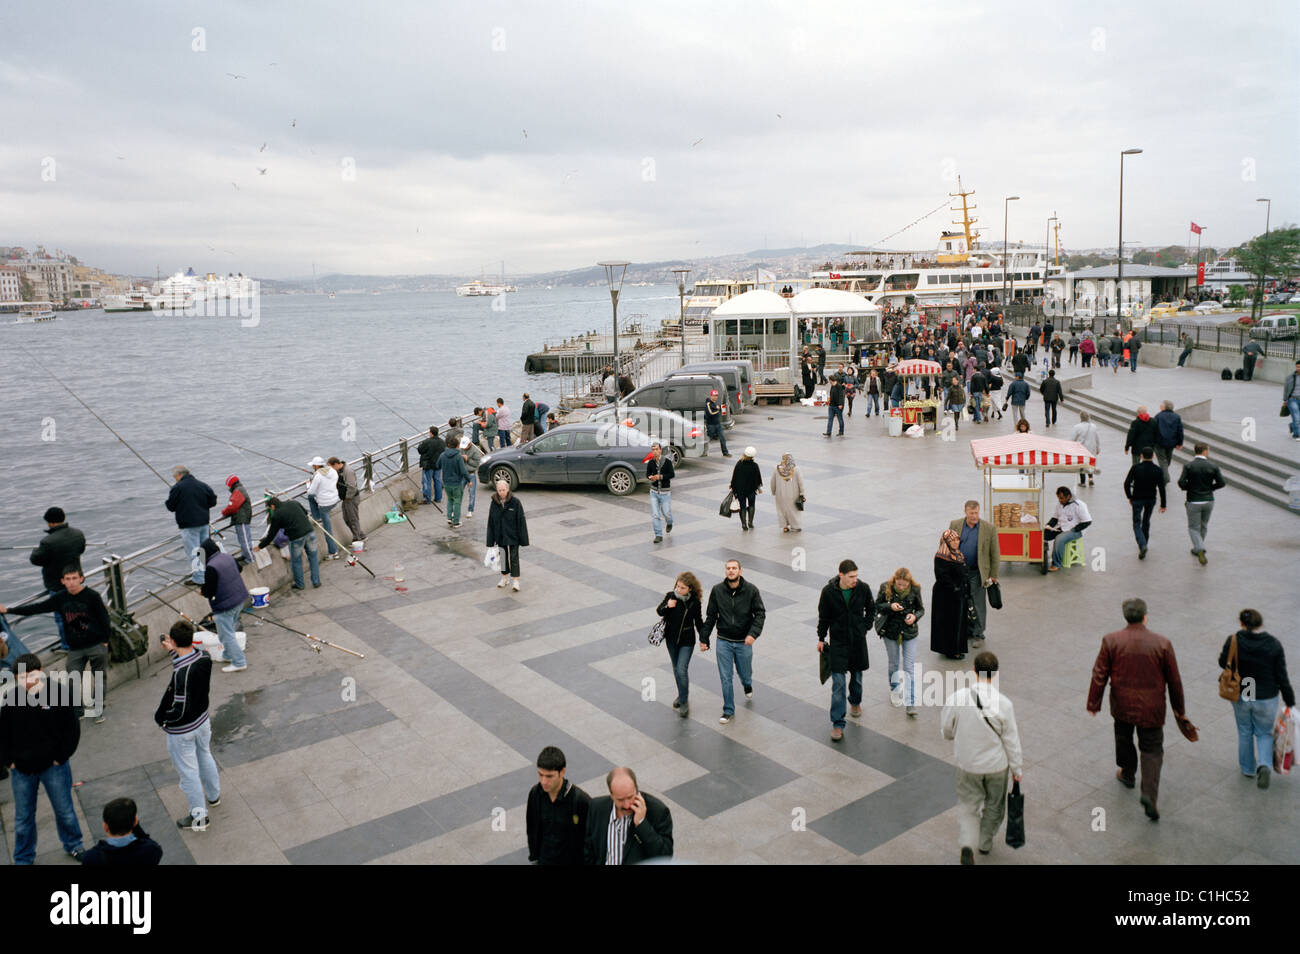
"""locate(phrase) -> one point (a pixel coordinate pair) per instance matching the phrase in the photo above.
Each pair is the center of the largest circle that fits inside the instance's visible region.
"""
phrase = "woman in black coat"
(746, 484)
(507, 529)
(683, 624)
(950, 599)
(898, 607)
(1261, 660)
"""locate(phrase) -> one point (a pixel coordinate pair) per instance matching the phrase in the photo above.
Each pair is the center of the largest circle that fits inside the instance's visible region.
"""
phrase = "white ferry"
(960, 270)
(30, 312)
(187, 293)
(135, 300)
(707, 294)
(478, 287)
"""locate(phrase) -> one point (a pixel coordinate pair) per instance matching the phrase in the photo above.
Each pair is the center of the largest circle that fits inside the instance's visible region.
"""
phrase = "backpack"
(1226, 374)
(127, 639)
(1239, 374)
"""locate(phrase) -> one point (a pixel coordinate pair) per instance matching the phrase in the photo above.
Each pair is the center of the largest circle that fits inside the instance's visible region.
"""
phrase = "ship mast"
(972, 238)
(1057, 237)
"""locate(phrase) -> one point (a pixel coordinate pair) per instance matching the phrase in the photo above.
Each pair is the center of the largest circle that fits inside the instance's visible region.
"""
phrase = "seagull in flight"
(272, 64)
(525, 133)
(778, 115)
(236, 185)
(237, 76)
(697, 142)
(261, 171)
(568, 176)
(263, 149)
(293, 122)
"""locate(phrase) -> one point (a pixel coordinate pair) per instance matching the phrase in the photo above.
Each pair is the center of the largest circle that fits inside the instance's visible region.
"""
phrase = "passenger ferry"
(30, 312)
(188, 294)
(959, 270)
(707, 294)
(137, 299)
(478, 287)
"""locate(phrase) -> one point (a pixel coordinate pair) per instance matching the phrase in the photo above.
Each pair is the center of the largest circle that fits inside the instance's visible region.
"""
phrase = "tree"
(1236, 293)
(1275, 255)
(25, 289)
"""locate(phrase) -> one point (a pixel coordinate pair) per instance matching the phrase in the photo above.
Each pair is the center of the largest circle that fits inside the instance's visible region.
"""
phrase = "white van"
(1275, 326)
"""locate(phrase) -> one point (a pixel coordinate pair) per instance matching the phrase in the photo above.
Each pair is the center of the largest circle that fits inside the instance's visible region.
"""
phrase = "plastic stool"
(1073, 555)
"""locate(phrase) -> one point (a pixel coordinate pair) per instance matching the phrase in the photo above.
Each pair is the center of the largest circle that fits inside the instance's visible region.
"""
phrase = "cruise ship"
(187, 293)
(479, 287)
(958, 271)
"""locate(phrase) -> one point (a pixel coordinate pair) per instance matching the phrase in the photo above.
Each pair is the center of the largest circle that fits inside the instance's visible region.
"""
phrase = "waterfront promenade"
(431, 760)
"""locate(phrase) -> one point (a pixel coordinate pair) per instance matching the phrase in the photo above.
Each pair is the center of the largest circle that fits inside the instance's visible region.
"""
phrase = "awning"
(1031, 450)
(918, 367)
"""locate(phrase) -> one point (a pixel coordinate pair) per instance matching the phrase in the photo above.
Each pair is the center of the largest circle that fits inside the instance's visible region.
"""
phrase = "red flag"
(1200, 273)
(1196, 228)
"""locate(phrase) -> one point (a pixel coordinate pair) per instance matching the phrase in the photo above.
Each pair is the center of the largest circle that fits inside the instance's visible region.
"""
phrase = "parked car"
(1275, 326)
(730, 373)
(1166, 309)
(681, 436)
(746, 368)
(686, 393)
(1208, 308)
(1277, 298)
(1294, 299)
(605, 453)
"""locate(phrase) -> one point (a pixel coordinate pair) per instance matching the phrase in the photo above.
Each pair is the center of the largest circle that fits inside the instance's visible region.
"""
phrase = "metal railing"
(1221, 338)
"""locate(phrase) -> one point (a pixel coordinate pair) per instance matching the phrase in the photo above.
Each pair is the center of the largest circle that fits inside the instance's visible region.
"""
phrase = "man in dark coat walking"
(627, 826)
(1139, 665)
(845, 613)
(1142, 432)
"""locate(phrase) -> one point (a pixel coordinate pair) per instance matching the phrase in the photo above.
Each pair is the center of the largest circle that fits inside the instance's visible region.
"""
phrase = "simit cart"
(918, 410)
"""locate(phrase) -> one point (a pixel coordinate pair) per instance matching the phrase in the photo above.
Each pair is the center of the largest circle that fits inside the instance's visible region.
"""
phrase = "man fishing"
(61, 547)
(191, 500)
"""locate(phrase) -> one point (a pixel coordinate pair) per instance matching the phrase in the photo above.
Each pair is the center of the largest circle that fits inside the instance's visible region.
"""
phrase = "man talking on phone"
(627, 827)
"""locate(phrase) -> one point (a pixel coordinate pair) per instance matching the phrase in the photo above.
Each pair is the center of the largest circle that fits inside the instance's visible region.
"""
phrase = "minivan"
(685, 394)
(1274, 326)
(744, 387)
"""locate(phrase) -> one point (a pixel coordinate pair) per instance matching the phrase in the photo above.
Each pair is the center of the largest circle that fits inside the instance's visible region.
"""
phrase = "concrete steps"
(1246, 467)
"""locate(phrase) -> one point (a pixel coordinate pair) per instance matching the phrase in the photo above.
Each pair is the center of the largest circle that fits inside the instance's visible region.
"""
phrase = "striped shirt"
(185, 705)
(616, 837)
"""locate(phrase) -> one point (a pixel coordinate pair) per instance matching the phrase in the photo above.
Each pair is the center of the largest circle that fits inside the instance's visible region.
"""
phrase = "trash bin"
(896, 423)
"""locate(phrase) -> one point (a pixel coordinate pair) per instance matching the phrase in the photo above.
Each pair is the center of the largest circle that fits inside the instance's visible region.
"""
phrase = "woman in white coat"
(787, 488)
(323, 496)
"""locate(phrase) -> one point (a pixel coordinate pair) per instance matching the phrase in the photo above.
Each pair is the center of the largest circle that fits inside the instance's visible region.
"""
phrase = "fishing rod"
(185, 616)
(391, 496)
(96, 416)
(240, 447)
(33, 546)
(352, 557)
(394, 413)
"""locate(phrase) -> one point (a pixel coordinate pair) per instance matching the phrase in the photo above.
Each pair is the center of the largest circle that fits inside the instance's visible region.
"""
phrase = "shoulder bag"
(1230, 678)
(725, 510)
(994, 593)
(1015, 800)
(656, 636)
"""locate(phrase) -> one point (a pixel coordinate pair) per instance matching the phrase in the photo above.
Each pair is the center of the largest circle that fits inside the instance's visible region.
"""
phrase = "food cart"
(1017, 498)
(876, 351)
(918, 409)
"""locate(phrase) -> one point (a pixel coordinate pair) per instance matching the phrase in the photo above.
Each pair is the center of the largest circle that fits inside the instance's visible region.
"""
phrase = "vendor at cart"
(1071, 519)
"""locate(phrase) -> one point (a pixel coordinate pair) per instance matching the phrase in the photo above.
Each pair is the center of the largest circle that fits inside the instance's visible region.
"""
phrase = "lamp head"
(1130, 152)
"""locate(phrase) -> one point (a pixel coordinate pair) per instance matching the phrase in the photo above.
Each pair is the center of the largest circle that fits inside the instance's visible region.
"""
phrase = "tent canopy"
(830, 303)
(918, 367)
(759, 303)
(1032, 450)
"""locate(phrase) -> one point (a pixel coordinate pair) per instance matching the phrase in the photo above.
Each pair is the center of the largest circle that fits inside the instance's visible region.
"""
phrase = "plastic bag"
(492, 558)
(1284, 742)
(916, 430)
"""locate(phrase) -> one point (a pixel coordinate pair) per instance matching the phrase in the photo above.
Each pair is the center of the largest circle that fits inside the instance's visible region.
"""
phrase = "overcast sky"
(653, 131)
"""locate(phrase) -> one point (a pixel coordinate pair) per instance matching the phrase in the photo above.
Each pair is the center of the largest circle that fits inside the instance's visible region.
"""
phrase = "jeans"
(323, 518)
(196, 767)
(455, 492)
(873, 404)
(834, 411)
(1133, 361)
(976, 401)
(295, 559)
(746, 502)
(16, 646)
(661, 510)
(981, 804)
(1059, 544)
(1151, 743)
(1087, 358)
(431, 485)
(1049, 412)
(1198, 522)
(476, 433)
(681, 660)
(244, 534)
(504, 434)
(1293, 405)
(473, 492)
(718, 431)
(741, 658)
(57, 780)
(838, 707)
(1142, 520)
(906, 673)
(97, 656)
(192, 538)
(1186, 353)
(1255, 733)
(58, 620)
(227, 621)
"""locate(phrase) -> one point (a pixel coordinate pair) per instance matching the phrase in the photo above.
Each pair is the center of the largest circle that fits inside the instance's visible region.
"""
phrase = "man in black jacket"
(1140, 487)
(736, 608)
(38, 734)
(627, 826)
(527, 418)
(835, 405)
(127, 844)
(183, 715)
(845, 613)
(659, 471)
(85, 624)
(1051, 391)
(430, 450)
(288, 515)
(191, 500)
(713, 422)
(557, 814)
(61, 547)
(1142, 433)
(1200, 478)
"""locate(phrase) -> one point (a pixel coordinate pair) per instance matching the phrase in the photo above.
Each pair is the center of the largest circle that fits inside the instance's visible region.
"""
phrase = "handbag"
(1285, 412)
(727, 501)
(824, 663)
(799, 502)
(1015, 817)
(994, 593)
(656, 635)
(1230, 678)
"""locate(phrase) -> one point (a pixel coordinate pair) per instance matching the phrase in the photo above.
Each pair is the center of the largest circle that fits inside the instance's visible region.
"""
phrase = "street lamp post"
(682, 274)
(1268, 212)
(1005, 205)
(1047, 257)
(1119, 267)
(615, 270)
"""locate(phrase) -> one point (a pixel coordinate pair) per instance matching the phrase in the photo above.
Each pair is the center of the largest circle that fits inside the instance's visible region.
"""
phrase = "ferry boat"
(30, 312)
(478, 287)
(707, 294)
(134, 300)
(958, 271)
(187, 293)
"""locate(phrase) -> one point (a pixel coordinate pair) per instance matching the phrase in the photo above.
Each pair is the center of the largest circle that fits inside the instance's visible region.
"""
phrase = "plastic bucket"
(211, 643)
(261, 596)
(358, 546)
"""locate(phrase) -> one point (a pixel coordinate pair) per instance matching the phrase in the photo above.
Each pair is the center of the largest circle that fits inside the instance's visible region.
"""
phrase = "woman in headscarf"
(787, 487)
(949, 601)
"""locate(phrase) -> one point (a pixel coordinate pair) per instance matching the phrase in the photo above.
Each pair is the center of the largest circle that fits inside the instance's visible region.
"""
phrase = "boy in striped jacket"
(183, 715)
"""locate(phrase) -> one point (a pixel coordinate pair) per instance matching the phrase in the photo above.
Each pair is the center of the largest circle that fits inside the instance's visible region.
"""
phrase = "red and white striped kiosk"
(1017, 498)
(915, 409)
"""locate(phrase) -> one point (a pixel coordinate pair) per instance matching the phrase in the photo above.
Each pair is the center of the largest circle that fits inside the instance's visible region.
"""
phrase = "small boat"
(30, 312)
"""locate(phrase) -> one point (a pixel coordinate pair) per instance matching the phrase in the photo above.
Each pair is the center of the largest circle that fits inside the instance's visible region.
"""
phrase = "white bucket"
(896, 425)
(358, 546)
(211, 643)
(261, 596)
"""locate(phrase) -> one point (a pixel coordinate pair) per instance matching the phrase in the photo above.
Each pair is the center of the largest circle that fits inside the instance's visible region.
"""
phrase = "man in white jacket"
(982, 724)
(1085, 432)
(323, 496)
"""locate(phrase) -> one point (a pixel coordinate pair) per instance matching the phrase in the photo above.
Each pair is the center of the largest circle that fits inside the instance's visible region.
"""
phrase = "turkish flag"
(1200, 273)
(1196, 228)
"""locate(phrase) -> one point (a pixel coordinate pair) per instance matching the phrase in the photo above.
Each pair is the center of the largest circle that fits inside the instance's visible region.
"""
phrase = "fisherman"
(504, 420)
(240, 512)
(473, 456)
(350, 494)
(191, 500)
(527, 418)
(226, 594)
(430, 450)
(288, 515)
(62, 546)
(323, 496)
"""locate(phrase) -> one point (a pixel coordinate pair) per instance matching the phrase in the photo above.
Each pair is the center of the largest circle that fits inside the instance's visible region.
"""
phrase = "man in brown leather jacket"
(1139, 664)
